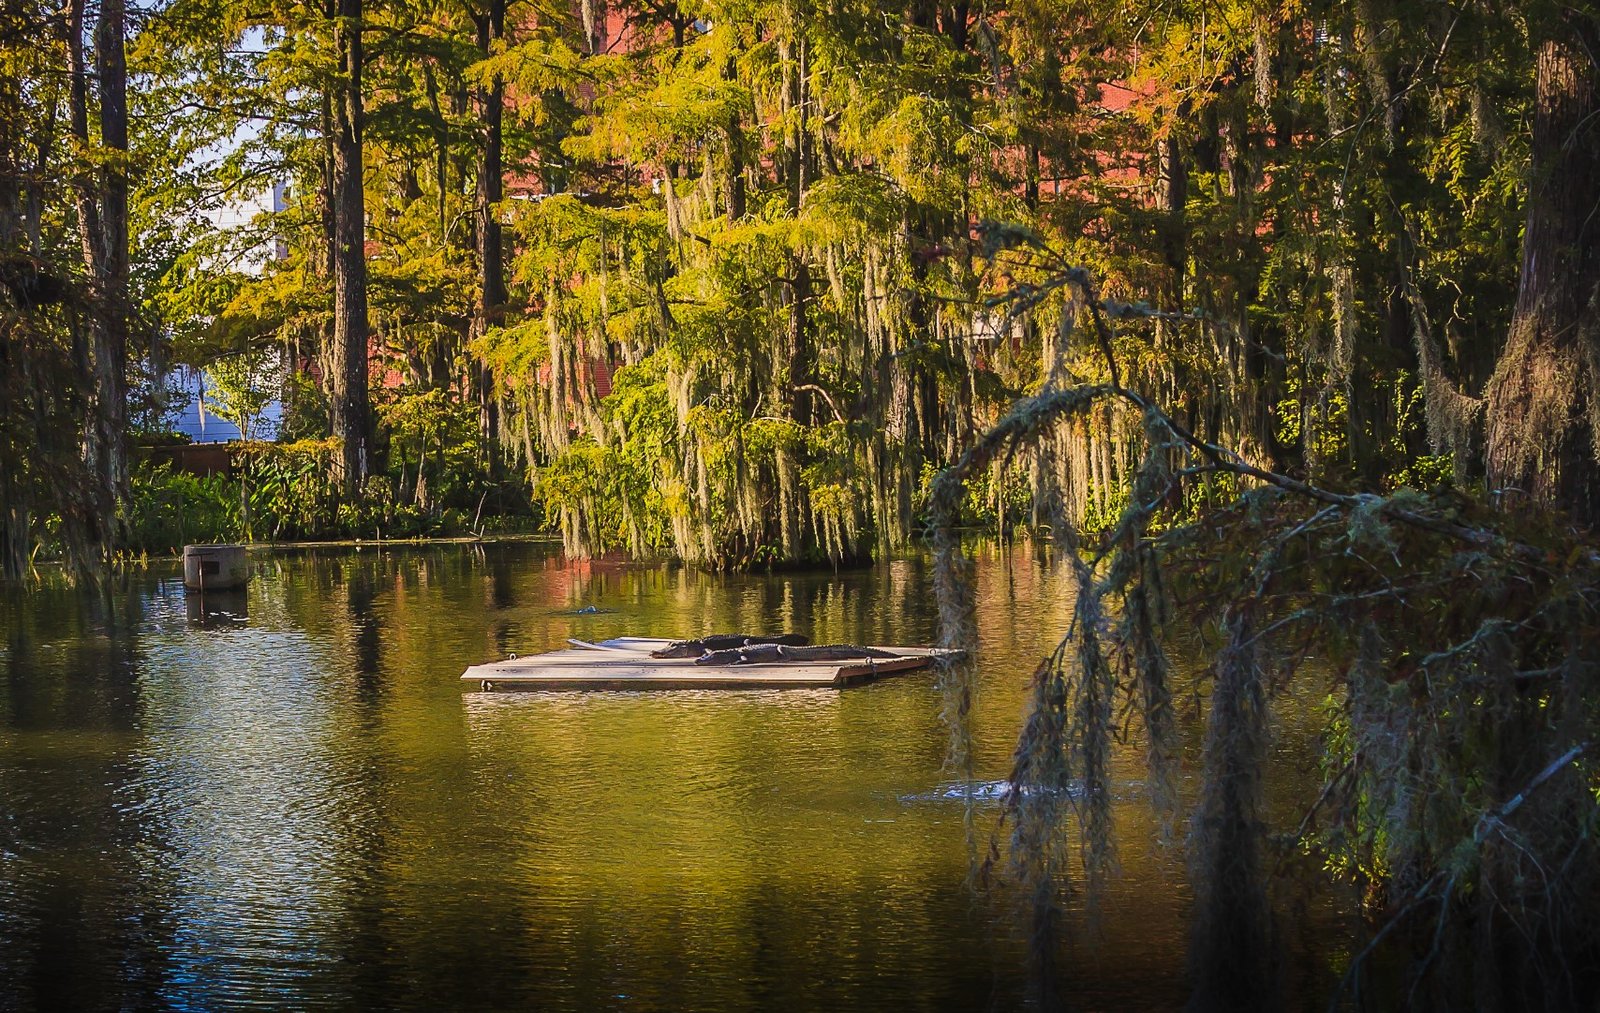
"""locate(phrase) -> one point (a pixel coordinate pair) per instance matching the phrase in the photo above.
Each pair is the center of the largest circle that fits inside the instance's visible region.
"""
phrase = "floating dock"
(625, 663)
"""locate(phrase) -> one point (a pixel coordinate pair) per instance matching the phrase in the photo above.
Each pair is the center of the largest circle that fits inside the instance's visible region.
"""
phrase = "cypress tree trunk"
(1543, 401)
(491, 264)
(1172, 190)
(90, 520)
(797, 288)
(90, 233)
(111, 334)
(11, 175)
(351, 412)
(15, 533)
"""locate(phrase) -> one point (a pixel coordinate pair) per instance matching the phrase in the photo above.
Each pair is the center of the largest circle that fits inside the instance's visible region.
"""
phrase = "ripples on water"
(285, 800)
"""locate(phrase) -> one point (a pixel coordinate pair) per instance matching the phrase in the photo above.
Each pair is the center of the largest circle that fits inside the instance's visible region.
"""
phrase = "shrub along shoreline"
(282, 493)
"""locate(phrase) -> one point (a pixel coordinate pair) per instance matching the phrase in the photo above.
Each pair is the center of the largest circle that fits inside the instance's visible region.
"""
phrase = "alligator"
(777, 654)
(587, 610)
(723, 642)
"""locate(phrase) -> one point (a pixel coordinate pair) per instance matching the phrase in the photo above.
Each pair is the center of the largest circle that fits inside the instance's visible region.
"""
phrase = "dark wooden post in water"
(215, 567)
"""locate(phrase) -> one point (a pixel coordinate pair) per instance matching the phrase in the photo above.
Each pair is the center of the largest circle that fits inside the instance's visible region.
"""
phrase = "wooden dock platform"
(625, 663)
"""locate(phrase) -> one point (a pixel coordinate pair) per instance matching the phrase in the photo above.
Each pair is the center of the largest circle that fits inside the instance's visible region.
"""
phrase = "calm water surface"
(287, 800)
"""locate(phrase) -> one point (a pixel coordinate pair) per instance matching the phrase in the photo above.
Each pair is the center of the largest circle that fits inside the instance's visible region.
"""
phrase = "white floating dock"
(625, 663)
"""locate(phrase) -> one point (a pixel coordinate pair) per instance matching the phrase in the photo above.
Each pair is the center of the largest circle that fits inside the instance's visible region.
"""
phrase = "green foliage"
(776, 206)
(883, 153)
(304, 409)
(240, 388)
(290, 493)
(283, 492)
(170, 509)
(435, 442)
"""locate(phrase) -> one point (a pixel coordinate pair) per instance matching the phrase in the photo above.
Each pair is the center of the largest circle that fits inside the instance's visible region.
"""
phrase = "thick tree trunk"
(1542, 410)
(111, 334)
(351, 412)
(802, 356)
(11, 174)
(15, 534)
(797, 288)
(491, 257)
(90, 234)
(92, 521)
(19, 394)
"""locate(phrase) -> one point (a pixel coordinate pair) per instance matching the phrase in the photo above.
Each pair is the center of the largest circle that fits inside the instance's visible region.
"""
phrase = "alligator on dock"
(724, 642)
(777, 654)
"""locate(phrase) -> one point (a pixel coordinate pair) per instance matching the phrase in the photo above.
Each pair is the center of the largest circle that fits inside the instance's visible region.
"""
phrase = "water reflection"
(72, 910)
(293, 804)
(209, 610)
(366, 627)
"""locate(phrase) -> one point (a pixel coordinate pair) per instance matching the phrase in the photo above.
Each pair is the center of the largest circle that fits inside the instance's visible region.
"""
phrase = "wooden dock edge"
(491, 679)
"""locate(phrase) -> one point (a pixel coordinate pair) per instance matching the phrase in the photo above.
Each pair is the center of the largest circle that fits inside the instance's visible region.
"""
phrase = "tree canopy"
(712, 276)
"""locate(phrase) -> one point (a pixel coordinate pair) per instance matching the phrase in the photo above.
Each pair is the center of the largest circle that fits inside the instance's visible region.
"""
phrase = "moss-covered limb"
(1463, 643)
(1093, 689)
(953, 569)
(1068, 743)
(1026, 420)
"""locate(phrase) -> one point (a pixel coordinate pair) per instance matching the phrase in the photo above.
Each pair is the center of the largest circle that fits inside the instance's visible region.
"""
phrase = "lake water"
(287, 800)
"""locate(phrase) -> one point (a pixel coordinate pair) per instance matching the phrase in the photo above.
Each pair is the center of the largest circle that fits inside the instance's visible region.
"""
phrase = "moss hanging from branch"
(1438, 790)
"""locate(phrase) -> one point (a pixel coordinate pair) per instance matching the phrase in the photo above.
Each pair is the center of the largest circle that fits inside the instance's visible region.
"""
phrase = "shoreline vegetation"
(1285, 316)
(363, 543)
